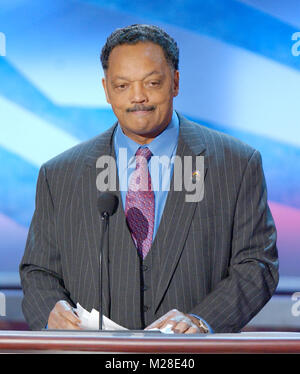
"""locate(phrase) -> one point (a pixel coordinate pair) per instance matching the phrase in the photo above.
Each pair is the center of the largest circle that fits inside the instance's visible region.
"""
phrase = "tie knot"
(145, 152)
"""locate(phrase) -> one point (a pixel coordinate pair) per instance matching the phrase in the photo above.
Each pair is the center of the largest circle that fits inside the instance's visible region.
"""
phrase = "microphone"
(107, 205)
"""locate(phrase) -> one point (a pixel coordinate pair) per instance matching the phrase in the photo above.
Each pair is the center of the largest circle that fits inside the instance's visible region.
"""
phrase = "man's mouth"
(140, 108)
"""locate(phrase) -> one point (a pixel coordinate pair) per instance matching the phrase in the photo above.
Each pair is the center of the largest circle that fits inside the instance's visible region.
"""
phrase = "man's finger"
(182, 326)
(62, 316)
(63, 324)
(67, 325)
(161, 322)
(65, 310)
(192, 330)
(71, 317)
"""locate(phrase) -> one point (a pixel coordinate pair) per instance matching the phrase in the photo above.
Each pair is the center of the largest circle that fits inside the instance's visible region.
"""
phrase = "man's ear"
(105, 90)
(176, 83)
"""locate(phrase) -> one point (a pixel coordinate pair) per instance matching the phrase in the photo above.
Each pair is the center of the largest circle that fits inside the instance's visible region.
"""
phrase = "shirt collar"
(163, 145)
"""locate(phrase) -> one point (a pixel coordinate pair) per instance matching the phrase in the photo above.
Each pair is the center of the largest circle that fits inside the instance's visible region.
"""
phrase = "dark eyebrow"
(146, 76)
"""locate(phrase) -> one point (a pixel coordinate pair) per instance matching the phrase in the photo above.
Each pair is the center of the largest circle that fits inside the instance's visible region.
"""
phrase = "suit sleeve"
(40, 268)
(253, 267)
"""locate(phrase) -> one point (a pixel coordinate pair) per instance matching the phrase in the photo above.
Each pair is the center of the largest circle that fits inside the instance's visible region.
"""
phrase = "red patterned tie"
(139, 206)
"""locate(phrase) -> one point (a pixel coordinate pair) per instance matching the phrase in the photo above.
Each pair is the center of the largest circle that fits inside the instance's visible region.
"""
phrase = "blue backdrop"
(238, 75)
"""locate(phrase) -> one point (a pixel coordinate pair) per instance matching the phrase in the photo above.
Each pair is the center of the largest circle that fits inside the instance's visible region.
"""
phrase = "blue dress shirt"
(163, 147)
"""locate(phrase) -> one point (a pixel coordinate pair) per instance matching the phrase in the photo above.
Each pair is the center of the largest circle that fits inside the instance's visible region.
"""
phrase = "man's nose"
(138, 93)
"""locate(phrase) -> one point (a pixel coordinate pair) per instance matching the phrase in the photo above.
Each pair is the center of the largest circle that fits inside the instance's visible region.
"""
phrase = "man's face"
(140, 86)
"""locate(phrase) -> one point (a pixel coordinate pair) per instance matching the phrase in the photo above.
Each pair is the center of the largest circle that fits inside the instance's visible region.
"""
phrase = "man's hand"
(63, 317)
(179, 322)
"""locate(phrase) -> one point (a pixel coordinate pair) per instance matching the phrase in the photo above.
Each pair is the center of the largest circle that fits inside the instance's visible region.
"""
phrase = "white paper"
(90, 320)
(166, 330)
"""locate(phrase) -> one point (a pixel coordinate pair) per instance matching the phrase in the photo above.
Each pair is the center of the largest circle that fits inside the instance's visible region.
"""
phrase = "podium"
(147, 342)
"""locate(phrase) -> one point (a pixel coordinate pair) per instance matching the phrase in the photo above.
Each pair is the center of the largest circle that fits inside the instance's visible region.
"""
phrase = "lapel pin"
(196, 175)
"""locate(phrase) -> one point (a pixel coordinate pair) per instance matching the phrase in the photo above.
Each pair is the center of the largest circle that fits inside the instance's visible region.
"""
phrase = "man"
(188, 266)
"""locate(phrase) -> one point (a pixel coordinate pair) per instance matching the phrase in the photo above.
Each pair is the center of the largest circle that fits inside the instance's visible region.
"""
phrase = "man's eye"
(154, 83)
(121, 86)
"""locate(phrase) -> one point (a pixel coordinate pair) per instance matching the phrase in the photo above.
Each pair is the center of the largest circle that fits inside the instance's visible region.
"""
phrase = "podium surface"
(52, 341)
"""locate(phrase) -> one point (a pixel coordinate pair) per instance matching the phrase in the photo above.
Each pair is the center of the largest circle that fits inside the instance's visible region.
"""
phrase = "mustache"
(138, 108)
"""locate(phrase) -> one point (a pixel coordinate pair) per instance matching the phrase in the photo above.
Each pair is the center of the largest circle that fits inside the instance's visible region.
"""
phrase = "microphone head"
(107, 203)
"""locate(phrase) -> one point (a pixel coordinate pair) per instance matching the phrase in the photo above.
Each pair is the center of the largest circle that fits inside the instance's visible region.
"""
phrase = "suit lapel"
(88, 195)
(178, 213)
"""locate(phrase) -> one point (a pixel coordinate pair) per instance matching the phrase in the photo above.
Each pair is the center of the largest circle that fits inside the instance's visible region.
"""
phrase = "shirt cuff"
(201, 319)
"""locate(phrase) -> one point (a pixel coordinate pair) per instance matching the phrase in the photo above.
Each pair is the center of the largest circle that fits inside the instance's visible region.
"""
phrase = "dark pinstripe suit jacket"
(216, 258)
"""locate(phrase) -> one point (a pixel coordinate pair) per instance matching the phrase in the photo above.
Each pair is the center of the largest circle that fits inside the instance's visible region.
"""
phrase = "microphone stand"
(103, 249)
